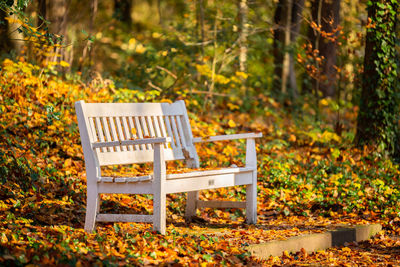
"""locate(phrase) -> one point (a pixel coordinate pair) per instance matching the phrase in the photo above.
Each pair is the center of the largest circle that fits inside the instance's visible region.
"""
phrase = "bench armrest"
(226, 137)
(156, 140)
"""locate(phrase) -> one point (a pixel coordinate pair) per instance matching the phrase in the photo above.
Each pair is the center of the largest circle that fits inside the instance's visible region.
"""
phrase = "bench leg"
(191, 206)
(92, 208)
(251, 190)
(251, 204)
(159, 213)
(160, 197)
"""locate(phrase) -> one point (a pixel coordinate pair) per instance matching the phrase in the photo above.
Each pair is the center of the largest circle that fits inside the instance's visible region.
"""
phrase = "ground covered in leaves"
(310, 179)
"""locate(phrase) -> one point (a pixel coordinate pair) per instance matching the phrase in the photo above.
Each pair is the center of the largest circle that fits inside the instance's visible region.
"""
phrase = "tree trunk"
(88, 49)
(200, 23)
(122, 11)
(57, 15)
(287, 17)
(329, 21)
(42, 12)
(243, 32)
(279, 38)
(5, 45)
(287, 22)
(297, 18)
(377, 122)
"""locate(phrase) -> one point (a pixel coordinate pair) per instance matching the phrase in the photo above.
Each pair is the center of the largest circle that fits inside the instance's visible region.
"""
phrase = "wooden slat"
(131, 179)
(162, 128)
(168, 123)
(125, 188)
(114, 133)
(156, 126)
(209, 182)
(181, 133)
(226, 137)
(134, 157)
(175, 131)
(92, 132)
(208, 173)
(145, 130)
(120, 132)
(132, 126)
(106, 130)
(155, 140)
(221, 204)
(105, 180)
(124, 218)
(100, 132)
(139, 131)
(150, 126)
(127, 131)
(188, 136)
(132, 109)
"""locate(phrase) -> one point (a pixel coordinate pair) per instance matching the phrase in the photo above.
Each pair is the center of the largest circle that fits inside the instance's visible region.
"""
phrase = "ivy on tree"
(378, 118)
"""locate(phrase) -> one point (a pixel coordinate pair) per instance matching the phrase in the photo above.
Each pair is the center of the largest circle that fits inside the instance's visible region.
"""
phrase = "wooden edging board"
(315, 242)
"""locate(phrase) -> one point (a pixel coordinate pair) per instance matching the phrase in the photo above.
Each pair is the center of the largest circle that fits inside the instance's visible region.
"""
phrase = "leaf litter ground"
(310, 180)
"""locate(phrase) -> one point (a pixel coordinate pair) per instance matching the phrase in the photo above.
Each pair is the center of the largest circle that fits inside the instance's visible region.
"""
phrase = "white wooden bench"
(162, 133)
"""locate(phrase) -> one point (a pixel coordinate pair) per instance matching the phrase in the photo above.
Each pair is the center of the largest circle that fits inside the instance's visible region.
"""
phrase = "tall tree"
(378, 118)
(5, 44)
(296, 20)
(122, 11)
(243, 32)
(42, 10)
(287, 21)
(325, 14)
(57, 16)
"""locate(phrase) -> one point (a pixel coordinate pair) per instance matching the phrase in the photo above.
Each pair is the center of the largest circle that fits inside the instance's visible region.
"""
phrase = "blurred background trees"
(234, 54)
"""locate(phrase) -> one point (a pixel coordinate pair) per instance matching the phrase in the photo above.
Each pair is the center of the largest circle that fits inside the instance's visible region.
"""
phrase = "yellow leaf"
(140, 49)
(324, 102)
(292, 138)
(346, 249)
(231, 123)
(4, 238)
(132, 41)
(64, 63)
(68, 162)
(133, 132)
(156, 35)
(242, 74)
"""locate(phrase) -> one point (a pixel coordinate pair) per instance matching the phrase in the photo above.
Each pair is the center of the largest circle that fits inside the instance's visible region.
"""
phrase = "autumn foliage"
(309, 178)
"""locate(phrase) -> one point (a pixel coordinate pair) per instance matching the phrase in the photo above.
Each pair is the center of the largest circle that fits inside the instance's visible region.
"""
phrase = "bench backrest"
(104, 122)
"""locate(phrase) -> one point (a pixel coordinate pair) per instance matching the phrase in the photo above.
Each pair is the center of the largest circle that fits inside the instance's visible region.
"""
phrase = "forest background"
(317, 77)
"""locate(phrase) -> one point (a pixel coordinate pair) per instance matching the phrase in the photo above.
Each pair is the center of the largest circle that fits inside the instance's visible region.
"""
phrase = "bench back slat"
(124, 121)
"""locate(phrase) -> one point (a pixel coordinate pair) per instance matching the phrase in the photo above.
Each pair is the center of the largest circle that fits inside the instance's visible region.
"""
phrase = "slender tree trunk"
(326, 14)
(57, 15)
(160, 18)
(88, 49)
(42, 10)
(15, 36)
(287, 12)
(278, 46)
(5, 44)
(297, 18)
(122, 11)
(288, 16)
(330, 21)
(200, 23)
(243, 11)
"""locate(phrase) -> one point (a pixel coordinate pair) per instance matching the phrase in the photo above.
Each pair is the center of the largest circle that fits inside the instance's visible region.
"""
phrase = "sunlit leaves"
(308, 178)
